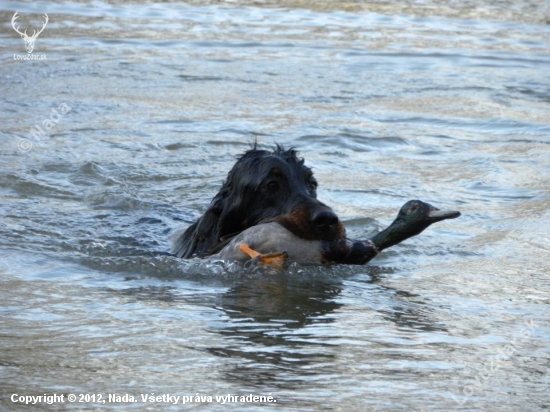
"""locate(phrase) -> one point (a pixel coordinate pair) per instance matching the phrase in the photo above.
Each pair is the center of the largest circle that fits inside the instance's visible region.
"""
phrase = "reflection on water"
(387, 102)
(264, 329)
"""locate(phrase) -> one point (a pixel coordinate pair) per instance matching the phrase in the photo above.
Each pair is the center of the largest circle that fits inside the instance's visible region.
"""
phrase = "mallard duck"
(271, 243)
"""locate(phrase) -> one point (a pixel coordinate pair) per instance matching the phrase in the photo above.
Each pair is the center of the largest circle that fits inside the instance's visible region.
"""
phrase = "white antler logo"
(29, 40)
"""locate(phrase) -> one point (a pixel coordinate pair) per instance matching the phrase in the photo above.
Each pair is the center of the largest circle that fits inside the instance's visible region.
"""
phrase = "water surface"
(449, 104)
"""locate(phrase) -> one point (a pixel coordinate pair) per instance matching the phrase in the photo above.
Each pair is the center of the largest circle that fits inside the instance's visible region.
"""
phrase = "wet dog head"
(263, 186)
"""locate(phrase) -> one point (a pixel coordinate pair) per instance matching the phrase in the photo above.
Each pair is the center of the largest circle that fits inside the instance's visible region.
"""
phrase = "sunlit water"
(449, 104)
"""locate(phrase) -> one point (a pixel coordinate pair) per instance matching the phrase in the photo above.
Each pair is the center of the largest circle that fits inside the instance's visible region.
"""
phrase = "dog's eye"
(273, 186)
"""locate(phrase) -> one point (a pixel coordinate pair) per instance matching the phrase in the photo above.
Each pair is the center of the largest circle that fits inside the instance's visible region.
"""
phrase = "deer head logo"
(29, 40)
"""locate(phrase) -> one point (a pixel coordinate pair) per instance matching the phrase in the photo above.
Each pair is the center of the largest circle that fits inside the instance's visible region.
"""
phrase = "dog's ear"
(197, 238)
(223, 217)
(237, 213)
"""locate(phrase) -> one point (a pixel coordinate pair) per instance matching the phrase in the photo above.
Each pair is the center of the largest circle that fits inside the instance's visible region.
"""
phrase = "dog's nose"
(324, 219)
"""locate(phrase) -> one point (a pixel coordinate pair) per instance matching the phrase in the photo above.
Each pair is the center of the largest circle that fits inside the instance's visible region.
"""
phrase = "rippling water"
(446, 103)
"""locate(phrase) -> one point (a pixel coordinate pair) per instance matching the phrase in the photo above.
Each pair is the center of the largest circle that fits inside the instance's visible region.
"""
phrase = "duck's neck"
(390, 236)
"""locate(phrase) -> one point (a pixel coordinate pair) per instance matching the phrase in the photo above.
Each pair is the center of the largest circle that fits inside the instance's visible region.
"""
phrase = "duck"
(271, 244)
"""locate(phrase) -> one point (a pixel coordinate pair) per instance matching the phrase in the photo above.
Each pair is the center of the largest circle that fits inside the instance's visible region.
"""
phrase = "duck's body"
(272, 237)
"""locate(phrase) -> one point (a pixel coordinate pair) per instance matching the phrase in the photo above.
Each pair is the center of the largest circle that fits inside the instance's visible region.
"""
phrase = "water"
(446, 103)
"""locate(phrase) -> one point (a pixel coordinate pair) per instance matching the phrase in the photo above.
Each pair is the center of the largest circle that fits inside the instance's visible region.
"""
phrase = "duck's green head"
(413, 218)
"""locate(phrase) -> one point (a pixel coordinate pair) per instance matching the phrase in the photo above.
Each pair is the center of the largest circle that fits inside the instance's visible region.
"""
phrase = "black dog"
(261, 186)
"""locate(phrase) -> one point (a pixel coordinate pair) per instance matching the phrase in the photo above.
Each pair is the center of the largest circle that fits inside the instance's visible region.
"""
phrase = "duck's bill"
(437, 215)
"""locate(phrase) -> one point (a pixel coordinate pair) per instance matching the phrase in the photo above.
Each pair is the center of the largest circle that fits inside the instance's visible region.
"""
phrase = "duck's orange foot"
(274, 260)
